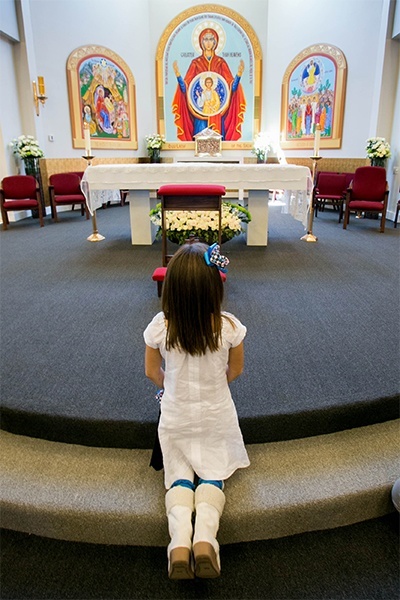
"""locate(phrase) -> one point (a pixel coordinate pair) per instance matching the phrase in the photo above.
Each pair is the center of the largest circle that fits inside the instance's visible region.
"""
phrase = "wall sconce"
(39, 94)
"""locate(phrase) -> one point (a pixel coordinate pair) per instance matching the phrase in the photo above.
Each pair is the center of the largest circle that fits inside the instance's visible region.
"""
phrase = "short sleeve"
(234, 332)
(154, 334)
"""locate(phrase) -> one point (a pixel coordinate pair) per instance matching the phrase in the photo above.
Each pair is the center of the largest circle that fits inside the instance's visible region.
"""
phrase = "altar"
(257, 179)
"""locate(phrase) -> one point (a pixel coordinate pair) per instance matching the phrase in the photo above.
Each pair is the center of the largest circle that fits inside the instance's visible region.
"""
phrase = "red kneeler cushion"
(159, 274)
(191, 189)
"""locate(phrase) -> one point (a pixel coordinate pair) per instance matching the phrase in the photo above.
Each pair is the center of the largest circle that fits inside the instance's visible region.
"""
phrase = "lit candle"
(42, 89)
(86, 132)
(317, 138)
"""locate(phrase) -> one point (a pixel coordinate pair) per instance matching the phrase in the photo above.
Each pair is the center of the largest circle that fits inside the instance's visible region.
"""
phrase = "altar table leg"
(143, 231)
(257, 229)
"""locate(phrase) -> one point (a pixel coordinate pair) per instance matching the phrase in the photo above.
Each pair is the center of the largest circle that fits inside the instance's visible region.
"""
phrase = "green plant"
(202, 224)
(378, 147)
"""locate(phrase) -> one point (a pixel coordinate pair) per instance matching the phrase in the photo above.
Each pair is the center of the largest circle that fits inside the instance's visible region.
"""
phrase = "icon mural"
(101, 89)
(209, 96)
(208, 71)
(313, 97)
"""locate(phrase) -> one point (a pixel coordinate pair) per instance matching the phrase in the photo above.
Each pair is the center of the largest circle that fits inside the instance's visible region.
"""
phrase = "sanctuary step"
(112, 496)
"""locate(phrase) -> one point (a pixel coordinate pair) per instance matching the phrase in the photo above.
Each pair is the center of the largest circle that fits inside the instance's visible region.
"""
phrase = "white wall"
(292, 28)
(10, 120)
(59, 27)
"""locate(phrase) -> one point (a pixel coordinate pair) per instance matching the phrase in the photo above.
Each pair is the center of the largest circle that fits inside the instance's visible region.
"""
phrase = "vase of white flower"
(155, 156)
(31, 165)
(378, 151)
(262, 144)
(154, 144)
(184, 224)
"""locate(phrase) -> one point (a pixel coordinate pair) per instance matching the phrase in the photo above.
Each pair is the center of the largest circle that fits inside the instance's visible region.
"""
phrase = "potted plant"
(191, 223)
(378, 150)
(154, 144)
(27, 148)
(262, 144)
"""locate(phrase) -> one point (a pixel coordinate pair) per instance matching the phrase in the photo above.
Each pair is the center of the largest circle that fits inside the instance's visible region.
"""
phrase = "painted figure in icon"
(208, 100)
(105, 99)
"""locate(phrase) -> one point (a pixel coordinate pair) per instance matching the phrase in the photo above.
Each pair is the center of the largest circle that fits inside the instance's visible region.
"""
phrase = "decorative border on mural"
(326, 104)
(174, 28)
(114, 126)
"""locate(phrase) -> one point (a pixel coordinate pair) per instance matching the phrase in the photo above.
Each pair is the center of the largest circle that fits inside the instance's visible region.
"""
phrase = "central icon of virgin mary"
(209, 95)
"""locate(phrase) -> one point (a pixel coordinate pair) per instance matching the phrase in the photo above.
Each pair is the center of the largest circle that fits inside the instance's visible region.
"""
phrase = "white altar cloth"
(258, 179)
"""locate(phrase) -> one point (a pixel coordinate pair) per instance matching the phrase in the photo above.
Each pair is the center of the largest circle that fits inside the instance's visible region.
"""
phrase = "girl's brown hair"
(191, 301)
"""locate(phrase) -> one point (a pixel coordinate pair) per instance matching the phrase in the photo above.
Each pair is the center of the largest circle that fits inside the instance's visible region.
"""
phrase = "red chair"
(64, 189)
(368, 192)
(330, 188)
(186, 197)
(20, 192)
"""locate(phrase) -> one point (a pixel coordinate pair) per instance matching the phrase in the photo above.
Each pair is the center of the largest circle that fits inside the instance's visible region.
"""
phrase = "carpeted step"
(111, 496)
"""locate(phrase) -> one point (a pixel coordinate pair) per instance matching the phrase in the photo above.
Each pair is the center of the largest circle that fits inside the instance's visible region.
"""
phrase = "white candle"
(86, 132)
(317, 137)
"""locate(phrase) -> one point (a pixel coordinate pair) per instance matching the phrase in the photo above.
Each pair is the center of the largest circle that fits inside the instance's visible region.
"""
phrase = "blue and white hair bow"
(213, 258)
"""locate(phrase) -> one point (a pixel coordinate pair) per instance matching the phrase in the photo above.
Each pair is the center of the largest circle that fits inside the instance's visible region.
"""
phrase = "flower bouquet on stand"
(154, 144)
(204, 225)
(378, 150)
(28, 149)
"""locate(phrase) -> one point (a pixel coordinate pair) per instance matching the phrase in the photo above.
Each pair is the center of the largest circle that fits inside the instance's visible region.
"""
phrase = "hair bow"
(213, 257)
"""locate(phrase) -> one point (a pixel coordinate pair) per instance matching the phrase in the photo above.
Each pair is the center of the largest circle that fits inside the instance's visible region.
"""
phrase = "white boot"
(179, 504)
(209, 505)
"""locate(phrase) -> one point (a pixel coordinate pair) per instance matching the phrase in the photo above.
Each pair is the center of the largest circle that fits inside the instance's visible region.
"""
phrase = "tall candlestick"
(317, 138)
(42, 89)
(86, 132)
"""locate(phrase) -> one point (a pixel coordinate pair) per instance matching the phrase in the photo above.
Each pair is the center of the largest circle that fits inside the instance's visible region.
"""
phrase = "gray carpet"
(359, 562)
(322, 350)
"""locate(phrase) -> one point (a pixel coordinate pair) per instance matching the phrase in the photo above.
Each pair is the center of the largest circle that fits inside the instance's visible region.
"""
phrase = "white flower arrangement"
(262, 144)
(26, 146)
(378, 147)
(154, 142)
(202, 224)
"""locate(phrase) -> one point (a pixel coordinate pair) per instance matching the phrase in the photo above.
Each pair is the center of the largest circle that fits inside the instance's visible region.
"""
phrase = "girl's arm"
(235, 362)
(152, 366)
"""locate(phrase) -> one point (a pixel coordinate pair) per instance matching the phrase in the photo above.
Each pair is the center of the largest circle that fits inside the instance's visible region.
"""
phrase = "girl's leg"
(179, 504)
(209, 505)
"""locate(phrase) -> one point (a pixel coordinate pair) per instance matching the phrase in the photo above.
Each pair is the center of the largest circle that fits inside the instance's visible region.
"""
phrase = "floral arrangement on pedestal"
(28, 149)
(25, 146)
(204, 225)
(378, 150)
(262, 144)
(154, 144)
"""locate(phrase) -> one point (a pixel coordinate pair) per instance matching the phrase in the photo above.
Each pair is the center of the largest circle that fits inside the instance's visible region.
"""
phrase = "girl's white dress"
(199, 429)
